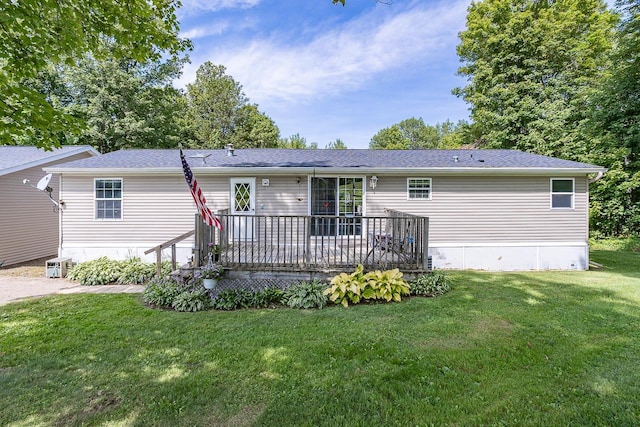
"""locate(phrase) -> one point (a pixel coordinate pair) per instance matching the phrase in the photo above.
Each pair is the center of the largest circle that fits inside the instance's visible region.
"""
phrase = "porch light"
(373, 182)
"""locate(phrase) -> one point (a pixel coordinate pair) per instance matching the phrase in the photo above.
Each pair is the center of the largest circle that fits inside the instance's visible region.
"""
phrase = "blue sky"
(326, 71)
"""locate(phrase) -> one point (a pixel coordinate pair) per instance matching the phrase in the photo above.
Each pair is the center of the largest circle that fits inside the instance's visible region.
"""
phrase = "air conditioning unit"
(57, 267)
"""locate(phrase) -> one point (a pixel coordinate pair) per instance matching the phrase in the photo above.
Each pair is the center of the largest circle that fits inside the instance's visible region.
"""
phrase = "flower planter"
(209, 283)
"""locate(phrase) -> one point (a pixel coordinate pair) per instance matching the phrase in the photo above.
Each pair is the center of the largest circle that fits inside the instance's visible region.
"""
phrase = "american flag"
(198, 197)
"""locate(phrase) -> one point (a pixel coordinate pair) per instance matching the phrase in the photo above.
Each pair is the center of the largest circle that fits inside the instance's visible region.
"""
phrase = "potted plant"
(214, 251)
(210, 274)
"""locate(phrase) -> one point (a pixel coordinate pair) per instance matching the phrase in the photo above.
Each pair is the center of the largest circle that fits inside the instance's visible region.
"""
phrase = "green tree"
(338, 144)
(530, 65)
(126, 104)
(413, 134)
(35, 34)
(215, 100)
(615, 139)
(116, 103)
(254, 129)
(294, 141)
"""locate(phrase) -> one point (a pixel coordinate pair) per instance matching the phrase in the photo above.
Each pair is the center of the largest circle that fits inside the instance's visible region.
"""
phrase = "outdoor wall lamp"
(373, 182)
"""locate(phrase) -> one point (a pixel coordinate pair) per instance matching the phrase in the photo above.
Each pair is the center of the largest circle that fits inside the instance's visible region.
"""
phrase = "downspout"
(60, 211)
(596, 178)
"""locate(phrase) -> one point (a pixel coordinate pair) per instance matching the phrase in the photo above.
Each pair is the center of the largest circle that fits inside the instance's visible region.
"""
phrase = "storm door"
(243, 200)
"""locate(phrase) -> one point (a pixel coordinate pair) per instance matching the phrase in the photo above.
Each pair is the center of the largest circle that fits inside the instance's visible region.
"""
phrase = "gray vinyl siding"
(474, 209)
(158, 208)
(282, 196)
(28, 223)
(154, 209)
(463, 209)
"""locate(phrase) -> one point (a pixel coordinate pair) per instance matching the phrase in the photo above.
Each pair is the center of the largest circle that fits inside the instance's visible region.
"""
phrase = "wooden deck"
(257, 255)
(306, 243)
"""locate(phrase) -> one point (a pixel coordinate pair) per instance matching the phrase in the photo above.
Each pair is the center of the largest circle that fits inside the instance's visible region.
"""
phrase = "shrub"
(162, 292)
(135, 272)
(195, 300)
(231, 299)
(270, 297)
(376, 285)
(347, 287)
(430, 285)
(101, 271)
(385, 285)
(307, 295)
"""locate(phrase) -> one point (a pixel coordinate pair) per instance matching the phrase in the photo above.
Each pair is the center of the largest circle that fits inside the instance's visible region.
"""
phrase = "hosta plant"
(347, 288)
(307, 295)
(135, 272)
(101, 271)
(269, 297)
(430, 285)
(194, 300)
(385, 285)
(162, 292)
(231, 299)
(375, 285)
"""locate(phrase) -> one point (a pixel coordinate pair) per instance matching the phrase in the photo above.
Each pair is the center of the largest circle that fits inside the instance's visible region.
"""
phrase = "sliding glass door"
(341, 197)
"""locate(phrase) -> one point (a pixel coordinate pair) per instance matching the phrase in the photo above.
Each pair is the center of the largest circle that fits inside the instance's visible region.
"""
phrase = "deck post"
(425, 243)
(307, 249)
(159, 260)
(198, 241)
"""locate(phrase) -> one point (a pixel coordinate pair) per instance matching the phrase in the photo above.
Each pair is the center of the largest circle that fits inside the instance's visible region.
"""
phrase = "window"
(108, 196)
(562, 193)
(419, 188)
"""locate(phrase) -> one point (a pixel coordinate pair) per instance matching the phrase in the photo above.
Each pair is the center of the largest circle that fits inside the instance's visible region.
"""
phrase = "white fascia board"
(59, 156)
(204, 171)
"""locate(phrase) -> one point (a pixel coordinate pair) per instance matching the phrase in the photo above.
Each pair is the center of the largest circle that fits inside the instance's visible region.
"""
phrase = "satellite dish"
(44, 182)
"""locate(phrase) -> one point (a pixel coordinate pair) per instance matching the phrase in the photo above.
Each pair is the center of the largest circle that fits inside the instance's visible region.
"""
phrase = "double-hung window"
(108, 198)
(562, 193)
(419, 188)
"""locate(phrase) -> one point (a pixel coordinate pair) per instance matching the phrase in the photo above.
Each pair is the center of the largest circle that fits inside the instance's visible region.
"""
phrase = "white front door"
(243, 207)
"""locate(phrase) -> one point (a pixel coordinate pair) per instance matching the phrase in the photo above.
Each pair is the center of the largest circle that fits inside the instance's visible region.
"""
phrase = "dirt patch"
(34, 268)
(97, 403)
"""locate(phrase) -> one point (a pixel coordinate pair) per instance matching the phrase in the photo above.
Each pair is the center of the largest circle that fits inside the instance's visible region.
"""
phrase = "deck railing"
(309, 243)
(168, 244)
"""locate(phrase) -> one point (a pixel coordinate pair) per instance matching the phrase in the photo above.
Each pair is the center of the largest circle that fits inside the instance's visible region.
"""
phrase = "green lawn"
(550, 348)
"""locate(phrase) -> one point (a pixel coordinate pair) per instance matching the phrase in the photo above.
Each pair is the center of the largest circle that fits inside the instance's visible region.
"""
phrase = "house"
(486, 209)
(28, 221)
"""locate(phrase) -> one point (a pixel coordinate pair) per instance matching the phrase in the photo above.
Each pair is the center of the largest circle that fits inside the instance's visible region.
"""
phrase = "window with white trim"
(419, 188)
(562, 191)
(108, 198)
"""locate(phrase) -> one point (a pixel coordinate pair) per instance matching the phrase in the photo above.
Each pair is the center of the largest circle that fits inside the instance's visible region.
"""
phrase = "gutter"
(310, 170)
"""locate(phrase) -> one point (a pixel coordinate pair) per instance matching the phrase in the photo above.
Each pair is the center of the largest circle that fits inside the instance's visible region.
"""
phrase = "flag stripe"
(198, 197)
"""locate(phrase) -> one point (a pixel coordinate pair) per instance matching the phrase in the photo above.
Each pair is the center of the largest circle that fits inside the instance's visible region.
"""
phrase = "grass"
(548, 348)
(630, 244)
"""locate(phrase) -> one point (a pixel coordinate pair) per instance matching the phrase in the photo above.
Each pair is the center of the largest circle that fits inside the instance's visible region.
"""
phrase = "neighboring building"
(487, 209)
(29, 226)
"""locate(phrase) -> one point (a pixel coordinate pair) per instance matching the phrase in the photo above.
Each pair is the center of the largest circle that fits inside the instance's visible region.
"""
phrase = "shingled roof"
(14, 158)
(326, 160)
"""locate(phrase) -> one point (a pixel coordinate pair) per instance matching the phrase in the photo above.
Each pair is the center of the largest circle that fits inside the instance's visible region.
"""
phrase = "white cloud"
(190, 7)
(341, 59)
(205, 31)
